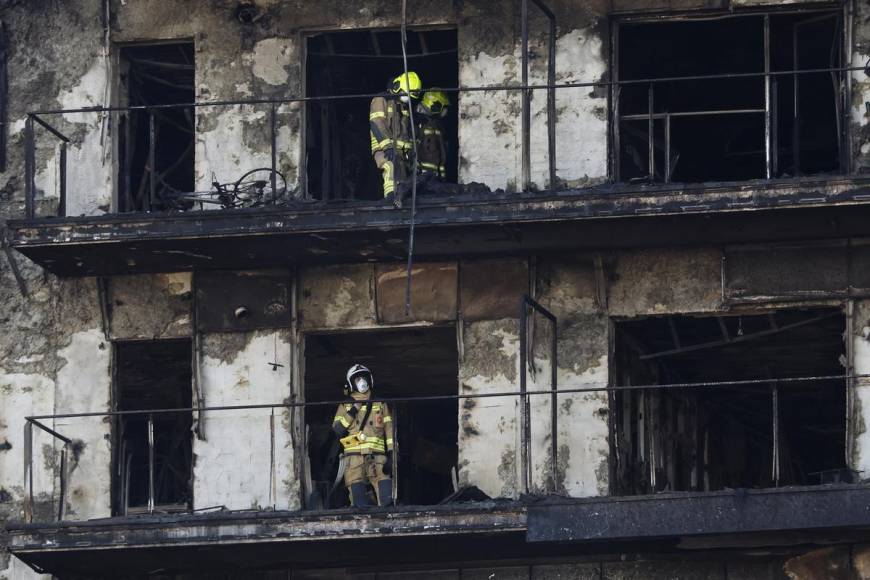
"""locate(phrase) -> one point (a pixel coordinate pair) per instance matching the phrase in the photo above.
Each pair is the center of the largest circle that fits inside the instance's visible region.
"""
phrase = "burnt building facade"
(629, 339)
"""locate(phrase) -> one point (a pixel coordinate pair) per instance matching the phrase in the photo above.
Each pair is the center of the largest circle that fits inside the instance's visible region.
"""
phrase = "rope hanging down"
(410, 264)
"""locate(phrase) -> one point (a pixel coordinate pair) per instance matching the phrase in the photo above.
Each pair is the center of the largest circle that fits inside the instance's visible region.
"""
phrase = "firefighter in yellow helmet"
(432, 148)
(390, 129)
(365, 430)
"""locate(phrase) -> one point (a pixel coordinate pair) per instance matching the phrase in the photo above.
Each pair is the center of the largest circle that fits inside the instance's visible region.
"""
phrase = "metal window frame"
(300, 403)
(118, 483)
(527, 358)
(846, 310)
(769, 110)
(304, 35)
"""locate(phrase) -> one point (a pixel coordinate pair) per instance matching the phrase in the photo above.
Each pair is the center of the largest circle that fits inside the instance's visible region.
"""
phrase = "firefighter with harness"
(365, 429)
(391, 135)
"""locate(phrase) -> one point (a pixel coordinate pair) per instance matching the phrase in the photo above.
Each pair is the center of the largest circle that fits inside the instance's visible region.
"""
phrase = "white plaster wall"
(23, 395)
(859, 115)
(861, 353)
(582, 432)
(232, 466)
(489, 431)
(581, 126)
(489, 122)
(89, 163)
(566, 288)
(84, 386)
(18, 570)
(232, 140)
(860, 88)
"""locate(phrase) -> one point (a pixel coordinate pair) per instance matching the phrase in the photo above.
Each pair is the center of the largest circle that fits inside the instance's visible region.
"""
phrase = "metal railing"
(527, 361)
(523, 396)
(37, 118)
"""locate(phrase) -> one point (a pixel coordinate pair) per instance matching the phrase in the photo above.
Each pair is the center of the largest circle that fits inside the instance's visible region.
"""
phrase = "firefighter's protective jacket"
(432, 150)
(389, 126)
(376, 436)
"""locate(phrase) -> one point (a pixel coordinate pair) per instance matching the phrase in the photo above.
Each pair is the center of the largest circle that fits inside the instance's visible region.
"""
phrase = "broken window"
(706, 438)
(152, 452)
(741, 127)
(158, 74)
(339, 161)
(405, 363)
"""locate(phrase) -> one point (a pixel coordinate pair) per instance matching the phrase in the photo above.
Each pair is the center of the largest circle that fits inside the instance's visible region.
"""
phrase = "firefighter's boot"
(359, 495)
(385, 492)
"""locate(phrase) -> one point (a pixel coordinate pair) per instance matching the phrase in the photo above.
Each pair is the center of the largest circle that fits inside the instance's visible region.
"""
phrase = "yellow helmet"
(434, 103)
(409, 84)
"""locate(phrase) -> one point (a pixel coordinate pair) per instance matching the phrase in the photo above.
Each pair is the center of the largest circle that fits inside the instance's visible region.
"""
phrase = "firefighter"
(432, 149)
(390, 130)
(365, 430)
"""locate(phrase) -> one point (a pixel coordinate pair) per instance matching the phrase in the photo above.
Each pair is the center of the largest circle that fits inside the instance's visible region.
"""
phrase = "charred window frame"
(159, 141)
(343, 169)
(152, 453)
(406, 361)
(746, 125)
(744, 429)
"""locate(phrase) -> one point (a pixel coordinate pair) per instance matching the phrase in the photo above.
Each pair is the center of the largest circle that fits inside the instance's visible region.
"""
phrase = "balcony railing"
(39, 119)
(523, 397)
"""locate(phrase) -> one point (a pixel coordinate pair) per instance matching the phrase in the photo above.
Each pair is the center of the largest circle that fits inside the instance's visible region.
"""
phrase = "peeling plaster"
(490, 428)
(861, 353)
(22, 395)
(271, 59)
(84, 385)
(581, 131)
(338, 297)
(88, 171)
(242, 438)
(152, 306)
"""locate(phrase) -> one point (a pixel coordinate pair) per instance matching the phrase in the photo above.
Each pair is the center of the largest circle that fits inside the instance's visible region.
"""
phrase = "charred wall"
(54, 348)
(265, 59)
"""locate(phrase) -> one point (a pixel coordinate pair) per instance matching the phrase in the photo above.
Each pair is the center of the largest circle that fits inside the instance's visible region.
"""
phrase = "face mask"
(361, 384)
(405, 98)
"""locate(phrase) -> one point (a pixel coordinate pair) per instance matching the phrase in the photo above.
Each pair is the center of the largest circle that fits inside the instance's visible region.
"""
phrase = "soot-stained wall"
(266, 60)
(54, 356)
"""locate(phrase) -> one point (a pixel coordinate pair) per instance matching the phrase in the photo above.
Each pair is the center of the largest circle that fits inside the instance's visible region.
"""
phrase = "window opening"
(339, 161)
(730, 436)
(404, 363)
(153, 375)
(159, 74)
(730, 128)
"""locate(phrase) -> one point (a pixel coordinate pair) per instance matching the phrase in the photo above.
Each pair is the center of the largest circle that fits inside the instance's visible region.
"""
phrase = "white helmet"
(359, 380)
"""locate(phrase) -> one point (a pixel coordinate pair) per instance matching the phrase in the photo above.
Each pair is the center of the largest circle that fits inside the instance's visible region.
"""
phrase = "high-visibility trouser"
(365, 469)
(388, 170)
(393, 171)
(433, 168)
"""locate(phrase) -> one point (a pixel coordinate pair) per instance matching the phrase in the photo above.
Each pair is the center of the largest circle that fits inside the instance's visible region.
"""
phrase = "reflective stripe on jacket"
(432, 151)
(389, 125)
(376, 436)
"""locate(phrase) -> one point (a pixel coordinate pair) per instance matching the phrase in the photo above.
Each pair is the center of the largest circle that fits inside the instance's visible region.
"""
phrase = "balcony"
(148, 223)
(536, 526)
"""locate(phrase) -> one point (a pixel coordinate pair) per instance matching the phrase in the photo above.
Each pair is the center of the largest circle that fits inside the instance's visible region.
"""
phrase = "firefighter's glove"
(390, 154)
(339, 430)
(388, 466)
